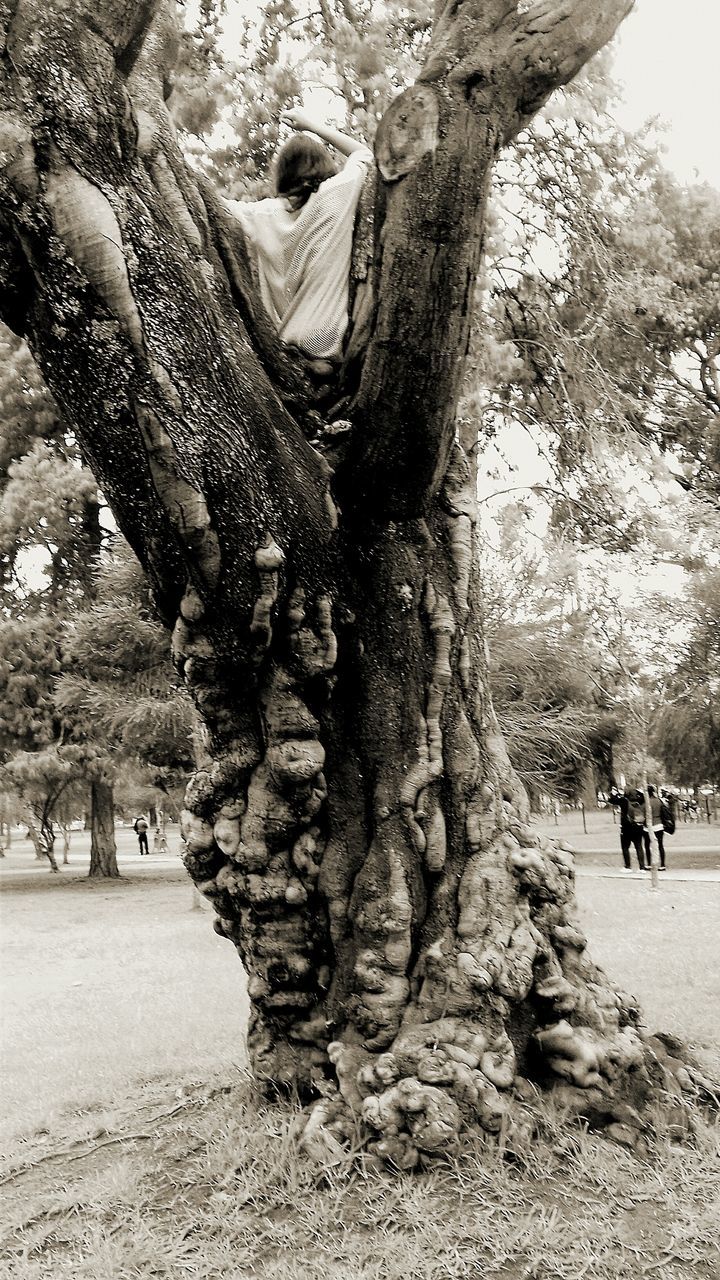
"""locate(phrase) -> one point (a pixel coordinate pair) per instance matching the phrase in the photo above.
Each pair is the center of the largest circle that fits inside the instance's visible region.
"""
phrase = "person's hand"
(297, 119)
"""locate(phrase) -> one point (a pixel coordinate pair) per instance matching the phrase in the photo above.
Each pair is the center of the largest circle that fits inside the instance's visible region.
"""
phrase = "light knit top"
(303, 258)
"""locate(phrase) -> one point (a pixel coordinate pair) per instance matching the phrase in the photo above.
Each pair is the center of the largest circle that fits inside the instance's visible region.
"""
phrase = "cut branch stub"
(408, 130)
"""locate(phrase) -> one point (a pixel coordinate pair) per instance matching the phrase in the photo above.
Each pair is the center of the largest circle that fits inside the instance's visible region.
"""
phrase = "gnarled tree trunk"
(103, 851)
(355, 821)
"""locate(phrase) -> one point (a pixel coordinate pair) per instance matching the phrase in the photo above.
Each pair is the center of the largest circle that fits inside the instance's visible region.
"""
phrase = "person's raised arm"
(342, 142)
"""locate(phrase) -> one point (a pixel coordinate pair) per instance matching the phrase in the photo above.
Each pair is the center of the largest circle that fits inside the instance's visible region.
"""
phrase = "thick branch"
(126, 279)
(488, 70)
(551, 41)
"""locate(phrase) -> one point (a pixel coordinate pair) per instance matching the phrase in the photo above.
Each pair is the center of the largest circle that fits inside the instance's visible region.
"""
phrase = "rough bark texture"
(411, 942)
(103, 852)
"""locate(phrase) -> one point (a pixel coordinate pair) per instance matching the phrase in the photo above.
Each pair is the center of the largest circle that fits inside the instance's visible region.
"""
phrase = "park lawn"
(662, 946)
(108, 986)
(168, 1167)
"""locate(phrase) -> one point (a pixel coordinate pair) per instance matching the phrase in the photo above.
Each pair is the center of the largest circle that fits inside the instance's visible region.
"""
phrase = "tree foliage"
(50, 533)
(118, 676)
(686, 734)
(548, 672)
(604, 311)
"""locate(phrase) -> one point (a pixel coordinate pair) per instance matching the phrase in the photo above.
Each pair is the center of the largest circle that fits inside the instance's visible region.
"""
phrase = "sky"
(667, 58)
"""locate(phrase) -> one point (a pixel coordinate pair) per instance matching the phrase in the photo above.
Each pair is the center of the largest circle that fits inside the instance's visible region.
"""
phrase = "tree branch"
(488, 70)
(549, 42)
(129, 282)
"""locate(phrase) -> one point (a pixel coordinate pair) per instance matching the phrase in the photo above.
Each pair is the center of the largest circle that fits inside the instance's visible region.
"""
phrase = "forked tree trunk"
(34, 838)
(356, 821)
(42, 837)
(103, 851)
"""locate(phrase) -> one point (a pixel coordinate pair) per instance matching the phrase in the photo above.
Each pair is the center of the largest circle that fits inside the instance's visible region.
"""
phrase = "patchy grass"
(214, 1187)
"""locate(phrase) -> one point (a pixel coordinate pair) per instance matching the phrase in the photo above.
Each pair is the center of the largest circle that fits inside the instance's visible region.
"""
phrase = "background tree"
(29, 664)
(686, 733)
(118, 676)
(49, 504)
(546, 669)
(51, 538)
(41, 780)
(356, 821)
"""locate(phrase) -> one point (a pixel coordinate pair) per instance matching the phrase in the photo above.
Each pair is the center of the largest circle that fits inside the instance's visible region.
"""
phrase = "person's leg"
(637, 836)
(625, 846)
(660, 837)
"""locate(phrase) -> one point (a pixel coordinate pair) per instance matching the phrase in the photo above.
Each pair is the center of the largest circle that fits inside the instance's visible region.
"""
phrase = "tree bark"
(411, 942)
(103, 852)
(43, 842)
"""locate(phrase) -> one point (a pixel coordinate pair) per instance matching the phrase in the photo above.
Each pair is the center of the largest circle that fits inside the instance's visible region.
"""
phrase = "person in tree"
(141, 827)
(631, 806)
(660, 815)
(300, 239)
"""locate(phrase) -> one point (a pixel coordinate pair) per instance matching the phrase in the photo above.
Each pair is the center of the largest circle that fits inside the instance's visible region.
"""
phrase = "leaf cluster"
(602, 318)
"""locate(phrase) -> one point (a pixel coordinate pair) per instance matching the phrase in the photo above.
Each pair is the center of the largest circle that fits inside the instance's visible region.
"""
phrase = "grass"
(168, 1166)
(108, 986)
(217, 1189)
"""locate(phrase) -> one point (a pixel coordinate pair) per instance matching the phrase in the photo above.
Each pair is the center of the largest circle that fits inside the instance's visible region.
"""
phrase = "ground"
(100, 982)
(165, 1166)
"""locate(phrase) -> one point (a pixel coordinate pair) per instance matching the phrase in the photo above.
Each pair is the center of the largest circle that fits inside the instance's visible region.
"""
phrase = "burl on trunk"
(410, 941)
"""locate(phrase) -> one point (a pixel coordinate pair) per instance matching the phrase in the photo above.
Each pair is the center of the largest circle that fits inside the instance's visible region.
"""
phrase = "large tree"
(410, 940)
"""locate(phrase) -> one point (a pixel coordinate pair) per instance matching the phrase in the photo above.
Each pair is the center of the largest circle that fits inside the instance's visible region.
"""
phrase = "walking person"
(141, 827)
(631, 824)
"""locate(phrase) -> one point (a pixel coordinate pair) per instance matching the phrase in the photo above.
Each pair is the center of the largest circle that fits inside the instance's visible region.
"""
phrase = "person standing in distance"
(141, 827)
(631, 829)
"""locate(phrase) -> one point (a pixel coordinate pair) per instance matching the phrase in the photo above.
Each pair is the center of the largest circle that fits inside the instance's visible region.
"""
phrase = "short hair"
(301, 164)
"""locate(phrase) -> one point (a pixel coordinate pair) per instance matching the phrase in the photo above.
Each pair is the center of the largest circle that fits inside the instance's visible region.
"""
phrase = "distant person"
(301, 238)
(662, 823)
(141, 827)
(630, 802)
(690, 809)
